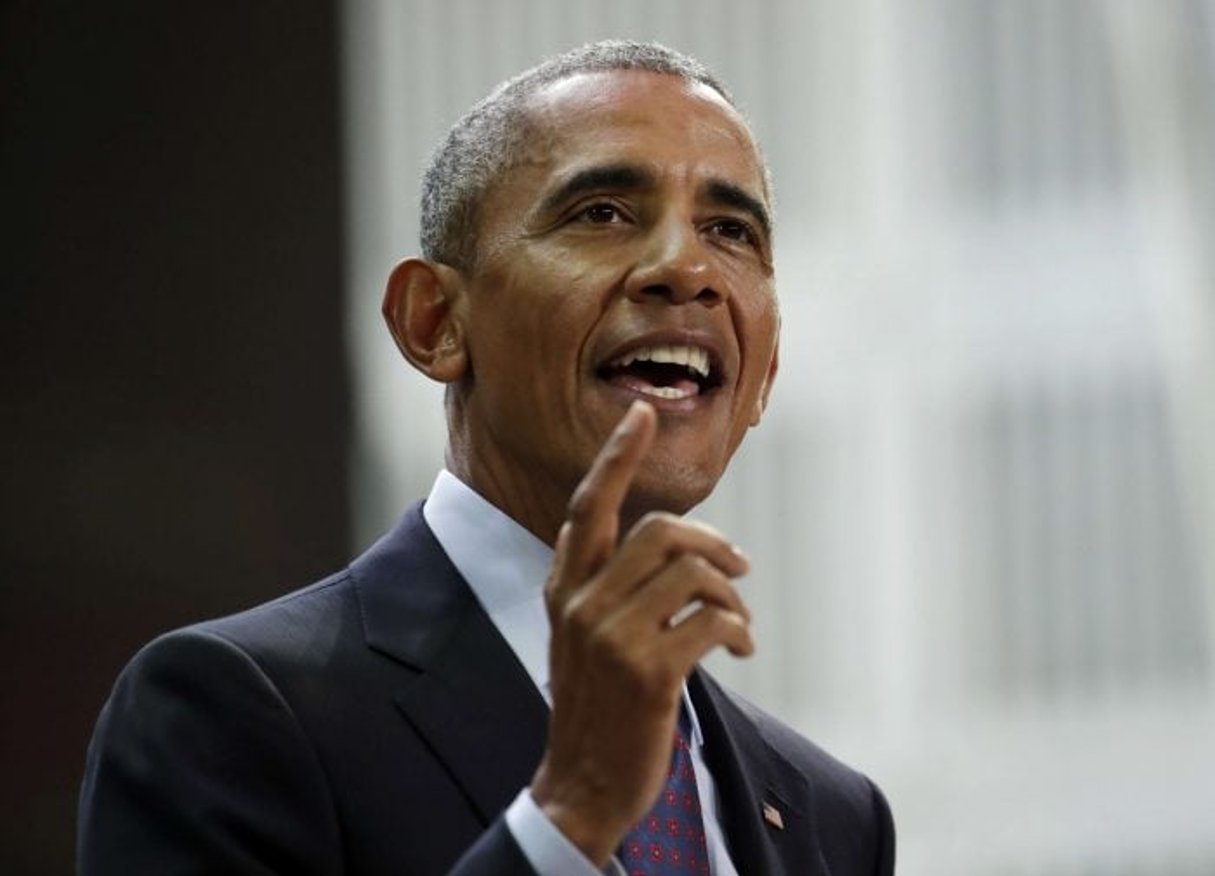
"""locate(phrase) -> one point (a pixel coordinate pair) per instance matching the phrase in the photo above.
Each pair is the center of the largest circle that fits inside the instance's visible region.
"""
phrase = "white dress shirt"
(506, 567)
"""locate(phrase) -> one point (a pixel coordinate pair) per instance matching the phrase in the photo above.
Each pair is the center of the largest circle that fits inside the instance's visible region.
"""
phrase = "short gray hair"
(486, 142)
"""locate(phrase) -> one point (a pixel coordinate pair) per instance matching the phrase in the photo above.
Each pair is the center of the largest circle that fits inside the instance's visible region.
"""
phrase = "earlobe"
(423, 309)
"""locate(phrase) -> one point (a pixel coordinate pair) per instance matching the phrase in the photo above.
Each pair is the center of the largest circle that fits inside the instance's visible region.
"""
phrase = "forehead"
(633, 115)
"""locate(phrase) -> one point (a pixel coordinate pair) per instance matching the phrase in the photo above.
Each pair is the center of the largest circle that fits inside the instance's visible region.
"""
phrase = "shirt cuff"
(546, 848)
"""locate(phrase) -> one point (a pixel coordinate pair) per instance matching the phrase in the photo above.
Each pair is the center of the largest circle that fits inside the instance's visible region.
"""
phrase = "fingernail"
(626, 422)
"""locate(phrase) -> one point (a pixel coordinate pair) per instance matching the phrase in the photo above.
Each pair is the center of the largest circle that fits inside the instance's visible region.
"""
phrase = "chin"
(674, 486)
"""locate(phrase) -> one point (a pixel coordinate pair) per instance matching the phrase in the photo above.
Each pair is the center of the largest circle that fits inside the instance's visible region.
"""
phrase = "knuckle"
(705, 529)
(658, 527)
(699, 574)
(655, 682)
(579, 615)
(718, 621)
(724, 623)
(711, 626)
(581, 507)
(693, 566)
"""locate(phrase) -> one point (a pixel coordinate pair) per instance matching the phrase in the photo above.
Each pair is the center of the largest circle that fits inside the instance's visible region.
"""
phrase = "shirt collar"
(506, 567)
(504, 564)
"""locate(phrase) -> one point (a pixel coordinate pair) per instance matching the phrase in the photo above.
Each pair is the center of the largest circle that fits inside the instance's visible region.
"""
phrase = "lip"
(720, 367)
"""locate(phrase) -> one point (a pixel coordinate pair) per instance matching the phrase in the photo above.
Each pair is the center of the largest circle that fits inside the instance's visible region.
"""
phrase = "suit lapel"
(467, 695)
(750, 776)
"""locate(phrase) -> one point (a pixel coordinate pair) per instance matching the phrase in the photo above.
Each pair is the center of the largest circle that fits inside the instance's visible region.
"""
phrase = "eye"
(735, 229)
(601, 213)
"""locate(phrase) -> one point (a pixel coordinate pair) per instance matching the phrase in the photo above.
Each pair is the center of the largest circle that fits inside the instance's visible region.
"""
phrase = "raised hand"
(630, 619)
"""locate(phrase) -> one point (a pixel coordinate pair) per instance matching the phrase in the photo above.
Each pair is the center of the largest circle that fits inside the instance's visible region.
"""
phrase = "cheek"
(759, 323)
(562, 298)
(771, 334)
(510, 352)
(762, 328)
(526, 338)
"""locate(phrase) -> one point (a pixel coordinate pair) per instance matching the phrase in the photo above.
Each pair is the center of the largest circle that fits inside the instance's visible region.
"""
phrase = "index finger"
(591, 530)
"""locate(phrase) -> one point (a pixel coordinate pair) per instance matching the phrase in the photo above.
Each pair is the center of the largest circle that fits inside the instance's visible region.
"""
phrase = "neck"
(531, 499)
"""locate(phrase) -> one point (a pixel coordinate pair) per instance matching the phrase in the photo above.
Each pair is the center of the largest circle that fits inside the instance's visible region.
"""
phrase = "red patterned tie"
(670, 839)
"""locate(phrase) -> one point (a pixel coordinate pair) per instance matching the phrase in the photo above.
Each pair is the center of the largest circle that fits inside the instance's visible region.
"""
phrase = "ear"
(423, 306)
(761, 403)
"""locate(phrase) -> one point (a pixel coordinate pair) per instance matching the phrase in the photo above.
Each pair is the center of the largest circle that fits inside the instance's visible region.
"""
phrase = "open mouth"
(667, 371)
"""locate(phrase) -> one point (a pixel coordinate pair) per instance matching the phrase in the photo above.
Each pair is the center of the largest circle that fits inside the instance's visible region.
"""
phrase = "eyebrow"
(609, 176)
(630, 177)
(731, 195)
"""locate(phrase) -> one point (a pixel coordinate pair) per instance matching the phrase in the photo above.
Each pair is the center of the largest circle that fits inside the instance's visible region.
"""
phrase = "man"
(597, 295)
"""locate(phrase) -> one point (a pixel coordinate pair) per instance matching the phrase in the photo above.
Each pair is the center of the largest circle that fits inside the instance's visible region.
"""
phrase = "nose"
(677, 266)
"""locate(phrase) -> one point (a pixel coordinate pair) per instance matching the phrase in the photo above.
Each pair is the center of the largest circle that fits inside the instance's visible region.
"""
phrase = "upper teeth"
(696, 359)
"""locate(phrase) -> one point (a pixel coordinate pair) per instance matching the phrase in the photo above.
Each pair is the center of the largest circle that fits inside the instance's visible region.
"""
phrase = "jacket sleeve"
(199, 766)
(885, 834)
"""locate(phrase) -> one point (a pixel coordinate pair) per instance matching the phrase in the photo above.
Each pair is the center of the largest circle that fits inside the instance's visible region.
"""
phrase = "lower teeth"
(666, 392)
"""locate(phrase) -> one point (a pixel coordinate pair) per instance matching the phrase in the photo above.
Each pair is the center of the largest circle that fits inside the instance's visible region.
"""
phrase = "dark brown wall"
(172, 377)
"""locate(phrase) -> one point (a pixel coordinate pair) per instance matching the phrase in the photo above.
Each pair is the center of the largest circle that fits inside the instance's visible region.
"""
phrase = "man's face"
(626, 256)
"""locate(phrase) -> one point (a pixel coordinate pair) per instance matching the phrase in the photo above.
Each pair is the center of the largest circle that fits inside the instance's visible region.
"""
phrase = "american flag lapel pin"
(772, 816)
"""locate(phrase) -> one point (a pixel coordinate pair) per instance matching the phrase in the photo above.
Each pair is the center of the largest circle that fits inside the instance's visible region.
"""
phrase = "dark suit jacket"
(377, 723)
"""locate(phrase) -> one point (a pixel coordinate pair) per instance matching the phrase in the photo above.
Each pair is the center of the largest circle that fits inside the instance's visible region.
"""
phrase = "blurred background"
(982, 505)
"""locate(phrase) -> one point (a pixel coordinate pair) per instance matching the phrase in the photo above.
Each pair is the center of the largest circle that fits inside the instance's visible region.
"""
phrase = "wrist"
(578, 814)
